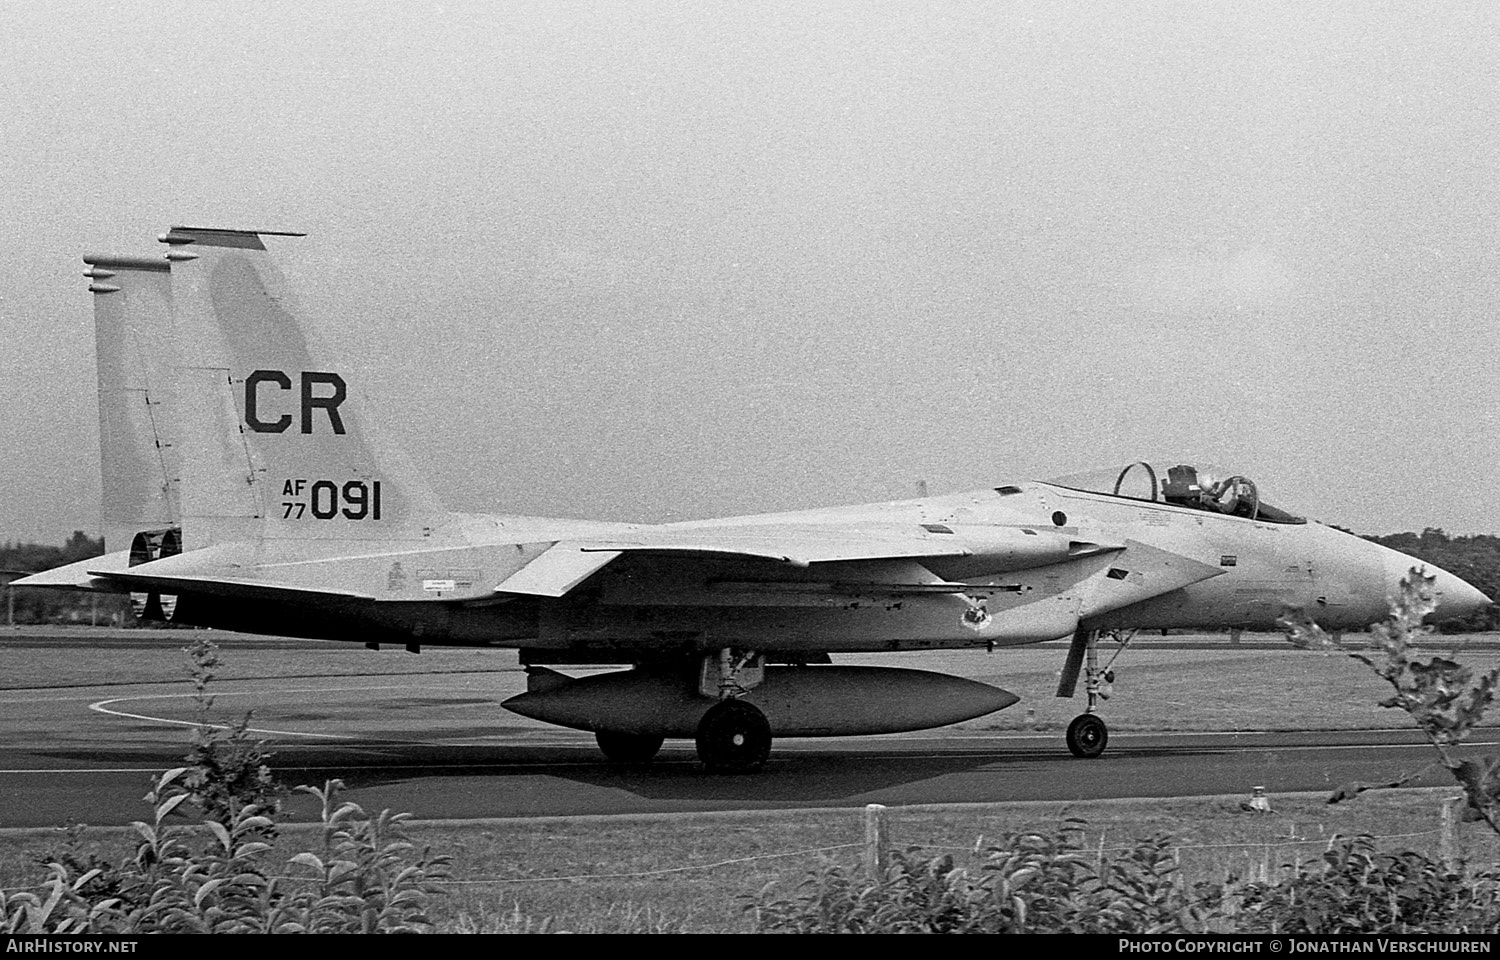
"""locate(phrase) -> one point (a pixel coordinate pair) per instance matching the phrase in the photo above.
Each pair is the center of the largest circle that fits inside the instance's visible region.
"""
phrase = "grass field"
(691, 872)
(72, 657)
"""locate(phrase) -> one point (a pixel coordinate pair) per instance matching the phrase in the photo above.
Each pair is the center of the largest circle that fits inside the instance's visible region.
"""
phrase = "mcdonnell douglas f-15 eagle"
(246, 488)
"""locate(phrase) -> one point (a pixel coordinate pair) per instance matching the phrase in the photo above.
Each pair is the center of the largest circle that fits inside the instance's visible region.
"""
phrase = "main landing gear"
(733, 736)
(1087, 734)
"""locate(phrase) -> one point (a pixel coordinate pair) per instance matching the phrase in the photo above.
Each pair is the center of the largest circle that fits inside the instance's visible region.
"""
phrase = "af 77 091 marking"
(361, 500)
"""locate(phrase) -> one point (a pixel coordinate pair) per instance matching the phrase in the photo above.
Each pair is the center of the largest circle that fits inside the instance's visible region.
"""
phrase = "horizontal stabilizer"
(83, 575)
(227, 570)
(222, 587)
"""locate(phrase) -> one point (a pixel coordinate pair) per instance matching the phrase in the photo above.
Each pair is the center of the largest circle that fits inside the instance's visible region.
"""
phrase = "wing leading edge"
(1003, 549)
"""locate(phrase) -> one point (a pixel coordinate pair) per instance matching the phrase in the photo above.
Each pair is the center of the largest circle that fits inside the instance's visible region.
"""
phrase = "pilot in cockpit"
(1234, 495)
(1224, 495)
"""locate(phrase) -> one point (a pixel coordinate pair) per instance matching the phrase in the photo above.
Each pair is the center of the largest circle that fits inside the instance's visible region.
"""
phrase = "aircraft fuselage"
(1236, 572)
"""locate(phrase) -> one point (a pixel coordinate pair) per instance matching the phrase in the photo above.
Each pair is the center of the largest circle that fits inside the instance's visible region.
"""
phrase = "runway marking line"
(87, 770)
(103, 706)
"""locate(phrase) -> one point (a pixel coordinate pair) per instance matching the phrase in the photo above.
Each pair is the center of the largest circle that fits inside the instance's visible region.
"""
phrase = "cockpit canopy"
(1198, 486)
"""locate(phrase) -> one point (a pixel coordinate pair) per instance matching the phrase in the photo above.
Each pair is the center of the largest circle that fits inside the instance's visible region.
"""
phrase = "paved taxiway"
(440, 746)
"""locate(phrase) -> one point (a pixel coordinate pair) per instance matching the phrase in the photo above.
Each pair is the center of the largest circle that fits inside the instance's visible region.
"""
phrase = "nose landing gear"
(1088, 734)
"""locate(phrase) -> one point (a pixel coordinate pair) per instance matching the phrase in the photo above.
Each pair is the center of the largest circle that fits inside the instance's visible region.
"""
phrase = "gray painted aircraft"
(246, 488)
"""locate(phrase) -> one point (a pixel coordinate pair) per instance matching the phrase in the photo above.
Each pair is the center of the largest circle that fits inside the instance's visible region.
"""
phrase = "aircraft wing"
(796, 544)
(570, 562)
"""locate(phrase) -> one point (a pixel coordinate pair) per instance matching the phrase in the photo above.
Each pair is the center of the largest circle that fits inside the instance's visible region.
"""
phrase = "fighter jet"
(247, 488)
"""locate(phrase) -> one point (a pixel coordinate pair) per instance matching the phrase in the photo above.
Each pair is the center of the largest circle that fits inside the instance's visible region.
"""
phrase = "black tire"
(1087, 736)
(628, 747)
(734, 737)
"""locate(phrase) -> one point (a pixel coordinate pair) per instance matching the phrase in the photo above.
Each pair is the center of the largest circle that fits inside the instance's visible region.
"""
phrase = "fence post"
(876, 859)
(1447, 848)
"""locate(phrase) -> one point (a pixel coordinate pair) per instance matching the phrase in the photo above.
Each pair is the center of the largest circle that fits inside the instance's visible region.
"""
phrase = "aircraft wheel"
(628, 747)
(1087, 736)
(734, 737)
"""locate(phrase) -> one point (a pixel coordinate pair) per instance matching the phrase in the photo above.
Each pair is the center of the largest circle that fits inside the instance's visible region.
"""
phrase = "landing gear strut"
(1087, 734)
(733, 736)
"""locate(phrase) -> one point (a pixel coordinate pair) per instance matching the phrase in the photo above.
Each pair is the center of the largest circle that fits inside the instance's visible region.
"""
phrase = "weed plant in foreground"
(1052, 882)
(363, 878)
(1445, 698)
(219, 876)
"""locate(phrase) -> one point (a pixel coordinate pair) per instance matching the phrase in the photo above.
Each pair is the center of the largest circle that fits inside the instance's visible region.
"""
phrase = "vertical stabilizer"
(278, 442)
(137, 446)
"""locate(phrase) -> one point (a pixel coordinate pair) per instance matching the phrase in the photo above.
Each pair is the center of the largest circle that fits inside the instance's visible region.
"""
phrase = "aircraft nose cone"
(1456, 597)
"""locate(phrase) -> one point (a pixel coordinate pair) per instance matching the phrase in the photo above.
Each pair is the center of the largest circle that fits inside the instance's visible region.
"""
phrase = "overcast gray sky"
(661, 261)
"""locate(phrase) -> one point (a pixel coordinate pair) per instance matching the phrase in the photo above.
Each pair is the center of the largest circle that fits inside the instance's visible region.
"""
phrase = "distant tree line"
(1475, 558)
